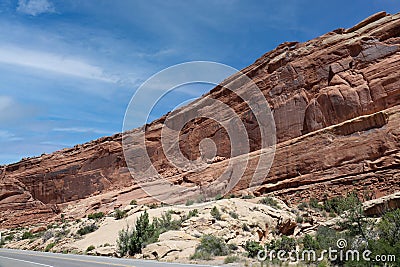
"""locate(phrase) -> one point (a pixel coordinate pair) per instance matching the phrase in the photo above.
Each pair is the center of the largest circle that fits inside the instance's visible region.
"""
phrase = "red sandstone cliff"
(336, 105)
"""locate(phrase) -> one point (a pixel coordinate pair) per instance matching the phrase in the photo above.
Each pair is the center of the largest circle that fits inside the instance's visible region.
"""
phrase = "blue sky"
(69, 68)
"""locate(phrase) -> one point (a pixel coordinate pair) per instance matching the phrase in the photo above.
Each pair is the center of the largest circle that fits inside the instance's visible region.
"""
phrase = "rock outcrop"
(336, 104)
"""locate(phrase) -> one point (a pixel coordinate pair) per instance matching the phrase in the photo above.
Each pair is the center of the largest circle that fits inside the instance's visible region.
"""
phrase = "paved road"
(22, 258)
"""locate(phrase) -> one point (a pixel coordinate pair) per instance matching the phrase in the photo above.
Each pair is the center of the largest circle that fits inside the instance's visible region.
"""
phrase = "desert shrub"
(231, 259)
(189, 202)
(247, 197)
(215, 213)
(133, 202)
(313, 202)
(201, 255)
(326, 237)
(310, 243)
(269, 201)
(200, 199)
(233, 247)
(49, 247)
(27, 235)
(210, 246)
(9, 237)
(119, 214)
(153, 206)
(87, 229)
(388, 230)
(302, 206)
(90, 248)
(252, 248)
(219, 197)
(234, 215)
(299, 219)
(95, 216)
(284, 243)
(193, 213)
(131, 241)
(246, 228)
(332, 205)
(339, 205)
(389, 227)
(165, 223)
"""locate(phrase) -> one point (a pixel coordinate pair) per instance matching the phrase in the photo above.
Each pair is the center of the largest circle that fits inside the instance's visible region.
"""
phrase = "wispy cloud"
(35, 7)
(82, 130)
(12, 112)
(5, 103)
(6, 136)
(52, 62)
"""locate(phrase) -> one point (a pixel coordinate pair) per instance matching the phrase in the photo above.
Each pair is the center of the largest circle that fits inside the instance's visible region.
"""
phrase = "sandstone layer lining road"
(22, 258)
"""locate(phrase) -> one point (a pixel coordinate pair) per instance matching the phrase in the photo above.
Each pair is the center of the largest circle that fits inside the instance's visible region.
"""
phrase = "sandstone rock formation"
(335, 100)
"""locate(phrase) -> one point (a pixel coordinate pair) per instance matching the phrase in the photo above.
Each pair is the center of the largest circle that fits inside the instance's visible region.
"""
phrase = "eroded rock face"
(327, 81)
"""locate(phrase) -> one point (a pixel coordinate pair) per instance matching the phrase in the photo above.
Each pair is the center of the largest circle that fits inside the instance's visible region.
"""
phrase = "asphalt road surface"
(24, 258)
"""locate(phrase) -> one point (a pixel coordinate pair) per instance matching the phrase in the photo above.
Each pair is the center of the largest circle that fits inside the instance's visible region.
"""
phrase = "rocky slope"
(335, 100)
(239, 221)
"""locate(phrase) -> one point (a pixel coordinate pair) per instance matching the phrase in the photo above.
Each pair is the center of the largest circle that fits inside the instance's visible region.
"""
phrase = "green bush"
(153, 206)
(119, 214)
(341, 204)
(234, 215)
(302, 206)
(247, 197)
(246, 228)
(233, 247)
(90, 248)
(252, 248)
(284, 243)
(165, 222)
(315, 204)
(309, 243)
(131, 241)
(299, 219)
(388, 231)
(95, 216)
(189, 202)
(231, 259)
(193, 213)
(219, 197)
(210, 246)
(215, 213)
(133, 202)
(27, 235)
(269, 201)
(201, 255)
(49, 247)
(10, 237)
(87, 229)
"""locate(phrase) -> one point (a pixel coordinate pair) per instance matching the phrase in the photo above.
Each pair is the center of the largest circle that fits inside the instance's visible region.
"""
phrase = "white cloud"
(7, 136)
(35, 7)
(82, 130)
(5, 103)
(53, 62)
